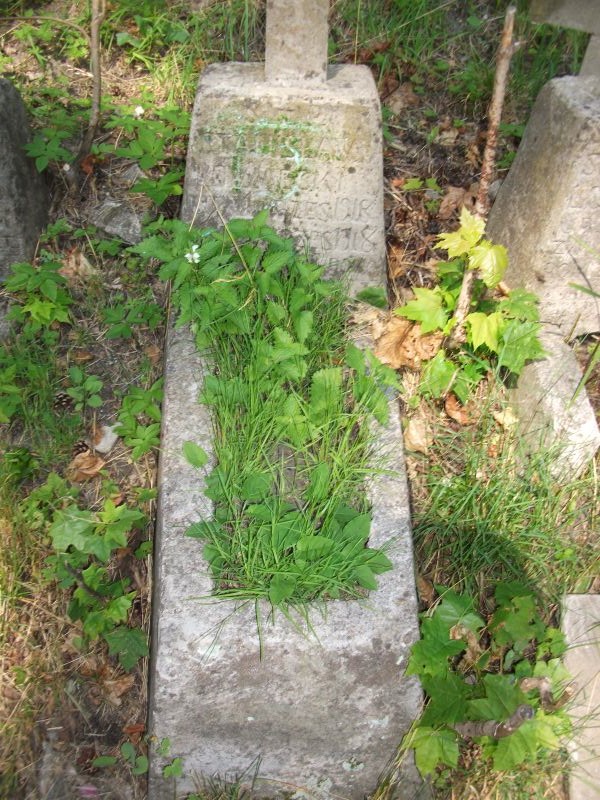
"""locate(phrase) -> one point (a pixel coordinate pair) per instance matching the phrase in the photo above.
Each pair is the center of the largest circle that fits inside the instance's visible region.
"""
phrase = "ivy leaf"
(465, 238)
(129, 644)
(490, 260)
(194, 454)
(433, 747)
(519, 343)
(426, 309)
(485, 329)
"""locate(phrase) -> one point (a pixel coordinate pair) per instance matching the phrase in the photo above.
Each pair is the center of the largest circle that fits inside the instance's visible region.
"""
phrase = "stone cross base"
(310, 153)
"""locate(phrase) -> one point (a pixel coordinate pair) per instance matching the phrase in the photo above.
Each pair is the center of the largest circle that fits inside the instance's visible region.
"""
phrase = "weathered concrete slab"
(323, 712)
(590, 66)
(583, 15)
(548, 415)
(24, 196)
(311, 154)
(296, 42)
(581, 626)
(547, 212)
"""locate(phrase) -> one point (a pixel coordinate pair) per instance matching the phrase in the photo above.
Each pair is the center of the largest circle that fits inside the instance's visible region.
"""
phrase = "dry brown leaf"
(154, 353)
(79, 356)
(104, 438)
(473, 650)
(451, 201)
(416, 435)
(456, 411)
(403, 345)
(506, 418)
(403, 97)
(425, 590)
(134, 731)
(447, 138)
(369, 320)
(116, 687)
(84, 466)
(76, 267)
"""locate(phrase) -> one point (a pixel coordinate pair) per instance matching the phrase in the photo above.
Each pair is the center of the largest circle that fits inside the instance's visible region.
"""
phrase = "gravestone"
(298, 138)
(583, 15)
(317, 712)
(24, 196)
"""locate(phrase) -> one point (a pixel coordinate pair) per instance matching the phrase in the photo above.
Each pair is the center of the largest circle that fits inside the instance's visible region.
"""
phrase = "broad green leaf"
(465, 238)
(429, 656)
(314, 547)
(355, 358)
(194, 454)
(128, 752)
(129, 644)
(426, 309)
(71, 527)
(485, 329)
(174, 769)
(104, 761)
(274, 261)
(281, 588)
(141, 765)
(437, 375)
(256, 486)
(303, 323)
(490, 260)
(358, 528)
(433, 746)
(378, 562)
(455, 609)
(318, 488)
(448, 696)
(326, 394)
(502, 698)
(285, 347)
(519, 344)
(520, 304)
(364, 576)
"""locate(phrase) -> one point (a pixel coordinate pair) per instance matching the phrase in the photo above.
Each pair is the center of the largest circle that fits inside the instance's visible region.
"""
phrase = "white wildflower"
(138, 112)
(194, 256)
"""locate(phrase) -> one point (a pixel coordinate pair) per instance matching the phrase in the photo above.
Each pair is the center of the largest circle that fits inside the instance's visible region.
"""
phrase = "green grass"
(494, 512)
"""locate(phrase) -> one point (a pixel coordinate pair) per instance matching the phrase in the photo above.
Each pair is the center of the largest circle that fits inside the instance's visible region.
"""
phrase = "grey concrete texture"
(296, 41)
(116, 218)
(590, 66)
(581, 626)
(548, 415)
(24, 197)
(584, 15)
(547, 212)
(312, 155)
(321, 711)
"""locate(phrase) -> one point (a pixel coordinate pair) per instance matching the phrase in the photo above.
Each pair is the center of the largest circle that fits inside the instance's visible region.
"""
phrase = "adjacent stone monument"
(316, 712)
(547, 214)
(583, 15)
(24, 196)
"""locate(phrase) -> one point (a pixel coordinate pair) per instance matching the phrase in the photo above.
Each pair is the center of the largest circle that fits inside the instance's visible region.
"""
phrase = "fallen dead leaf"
(76, 267)
(84, 466)
(456, 411)
(447, 138)
(451, 202)
(79, 356)
(425, 590)
(116, 687)
(416, 435)
(403, 97)
(134, 731)
(369, 320)
(506, 418)
(473, 651)
(403, 345)
(104, 438)
(154, 353)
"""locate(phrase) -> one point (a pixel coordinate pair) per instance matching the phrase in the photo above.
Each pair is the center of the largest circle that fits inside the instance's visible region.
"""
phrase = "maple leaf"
(433, 747)
(491, 260)
(465, 238)
(485, 329)
(426, 309)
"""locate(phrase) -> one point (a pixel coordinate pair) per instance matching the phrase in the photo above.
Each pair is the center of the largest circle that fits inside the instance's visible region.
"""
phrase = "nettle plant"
(499, 682)
(501, 332)
(292, 401)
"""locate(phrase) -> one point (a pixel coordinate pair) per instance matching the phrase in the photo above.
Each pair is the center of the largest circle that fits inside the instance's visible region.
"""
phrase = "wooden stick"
(505, 53)
(98, 10)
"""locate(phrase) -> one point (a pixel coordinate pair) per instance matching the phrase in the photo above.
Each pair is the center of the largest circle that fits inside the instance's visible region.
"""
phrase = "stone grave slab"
(547, 212)
(319, 713)
(581, 626)
(583, 15)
